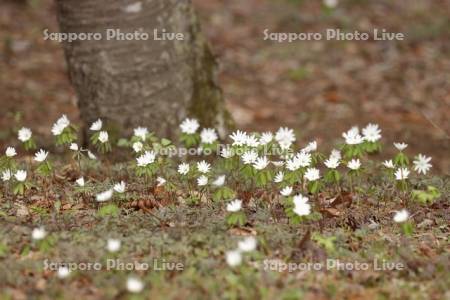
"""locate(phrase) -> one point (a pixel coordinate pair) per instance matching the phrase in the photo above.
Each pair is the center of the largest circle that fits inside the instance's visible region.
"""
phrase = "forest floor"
(355, 251)
(319, 88)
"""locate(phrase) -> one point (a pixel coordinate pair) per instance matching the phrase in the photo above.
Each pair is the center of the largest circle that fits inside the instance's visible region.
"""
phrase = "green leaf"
(108, 210)
(428, 196)
(166, 142)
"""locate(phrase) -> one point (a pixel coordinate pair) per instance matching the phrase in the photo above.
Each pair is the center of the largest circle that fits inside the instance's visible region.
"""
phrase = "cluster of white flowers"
(234, 257)
(285, 137)
(300, 160)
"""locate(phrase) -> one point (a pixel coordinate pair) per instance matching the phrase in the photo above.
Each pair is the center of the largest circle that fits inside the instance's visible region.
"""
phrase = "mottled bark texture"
(142, 83)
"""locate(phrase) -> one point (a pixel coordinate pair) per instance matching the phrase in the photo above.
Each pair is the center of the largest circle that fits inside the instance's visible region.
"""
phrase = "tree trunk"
(152, 83)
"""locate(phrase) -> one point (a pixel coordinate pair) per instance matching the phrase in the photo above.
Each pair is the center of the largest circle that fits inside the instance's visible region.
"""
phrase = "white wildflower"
(189, 126)
(266, 138)
(6, 175)
(137, 147)
(91, 155)
(292, 164)
(61, 124)
(372, 133)
(239, 138)
(312, 174)
(141, 132)
(41, 155)
(161, 181)
(97, 125)
(103, 137)
(301, 205)
(336, 154)
(203, 167)
(422, 164)
(145, 159)
(10, 152)
(80, 181)
(104, 196)
(248, 244)
(233, 258)
(389, 164)
(183, 168)
(63, 272)
(332, 162)
(252, 141)
(312, 146)
(286, 191)
(330, 3)
(303, 159)
(401, 216)
(261, 163)
(134, 285)
(74, 147)
(354, 164)
(400, 146)
(279, 177)
(285, 137)
(21, 175)
(352, 137)
(24, 134)
(220, 180)
(249, 157)
(202, 180)
(120, 187)
(208, 136)
(38, 233)
(401, 174)
(113, 245)
(234, 205)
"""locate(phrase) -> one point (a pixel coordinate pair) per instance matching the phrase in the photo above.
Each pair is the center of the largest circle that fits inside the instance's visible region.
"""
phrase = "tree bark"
(152, 83)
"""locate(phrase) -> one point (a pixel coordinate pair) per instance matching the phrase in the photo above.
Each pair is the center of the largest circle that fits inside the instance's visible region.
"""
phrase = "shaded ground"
(320, 88)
